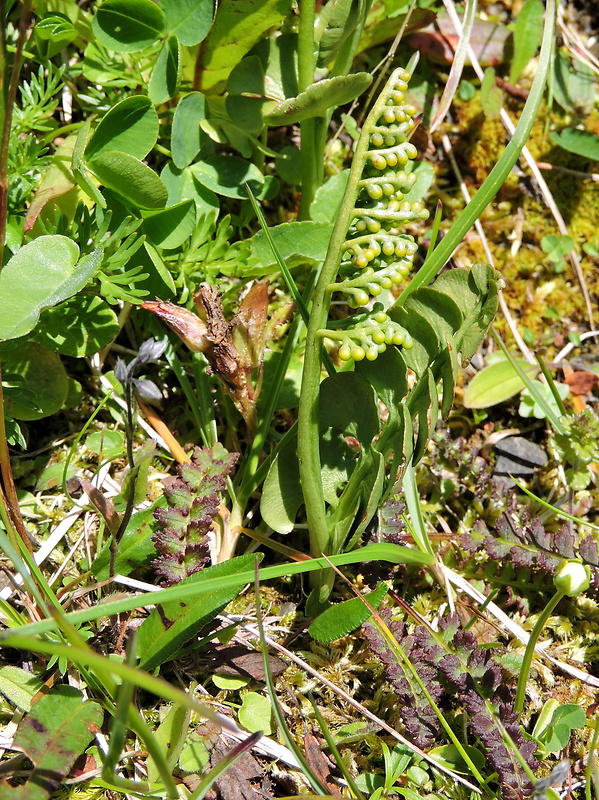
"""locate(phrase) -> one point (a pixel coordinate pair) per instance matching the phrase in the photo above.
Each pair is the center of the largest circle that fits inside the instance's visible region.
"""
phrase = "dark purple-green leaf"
(55, 732)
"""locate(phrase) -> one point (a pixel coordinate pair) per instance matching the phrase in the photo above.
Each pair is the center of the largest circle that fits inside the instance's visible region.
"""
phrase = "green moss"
(549, 304)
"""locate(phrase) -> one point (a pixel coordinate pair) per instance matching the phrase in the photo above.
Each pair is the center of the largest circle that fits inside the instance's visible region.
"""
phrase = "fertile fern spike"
(376, 255)
(369, 335)
(193, 498)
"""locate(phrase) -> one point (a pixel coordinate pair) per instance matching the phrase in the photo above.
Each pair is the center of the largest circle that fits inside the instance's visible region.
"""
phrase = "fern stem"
(308, 428)
(308, 127)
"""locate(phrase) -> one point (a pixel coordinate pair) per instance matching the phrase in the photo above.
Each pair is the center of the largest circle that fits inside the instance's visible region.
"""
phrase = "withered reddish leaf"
(57, 180)
(238, 660)
(234, 784)
(440, 40)
(187, 325)
(319, 763)
(581, 382)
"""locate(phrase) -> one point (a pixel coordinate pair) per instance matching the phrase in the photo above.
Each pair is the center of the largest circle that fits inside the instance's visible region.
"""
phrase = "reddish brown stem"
(8, 93)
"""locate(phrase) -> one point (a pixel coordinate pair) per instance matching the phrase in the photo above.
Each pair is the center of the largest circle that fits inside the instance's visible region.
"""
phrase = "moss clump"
(546, 301)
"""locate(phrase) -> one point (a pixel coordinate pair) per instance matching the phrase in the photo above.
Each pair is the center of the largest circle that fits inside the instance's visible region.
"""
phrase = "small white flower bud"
(572, 578)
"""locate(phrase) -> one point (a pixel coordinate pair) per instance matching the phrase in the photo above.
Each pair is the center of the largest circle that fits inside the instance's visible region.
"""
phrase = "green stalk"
(308, 128)
(500, 171)
(530, 649)
(9, 83)
(308, 433)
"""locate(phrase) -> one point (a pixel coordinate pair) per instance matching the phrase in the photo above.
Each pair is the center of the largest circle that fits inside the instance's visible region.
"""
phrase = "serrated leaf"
(318, 98)
(131, 178)
(582, 143)
(165, 75)
(528, 32)
(130, 127)
(55, 732)
(19, 687)
(342, 618)
(168, 627)
(496, 383)
(128, 25)
(189, 20)
(41, 274)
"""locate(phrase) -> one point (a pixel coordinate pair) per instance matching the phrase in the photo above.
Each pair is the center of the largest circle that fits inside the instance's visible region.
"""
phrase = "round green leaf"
(226, 175)
(80, 327)
(41, 274)
(131, 178)
(496, 383)
(190, 20)
(181, 185)
(43, 374)
(110, 444)
(583, 143)
(230, 682)
(128, 25)
(129, 127)
(255, 713)
(170, 227)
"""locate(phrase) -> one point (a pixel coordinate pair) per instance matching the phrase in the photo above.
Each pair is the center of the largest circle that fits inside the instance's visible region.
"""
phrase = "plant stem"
(308, 128)
(530, 649)
(308, 428)
(8, 93)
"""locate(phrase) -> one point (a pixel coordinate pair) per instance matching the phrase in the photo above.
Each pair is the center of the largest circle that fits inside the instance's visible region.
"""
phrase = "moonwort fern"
(428, 338)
